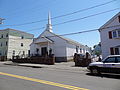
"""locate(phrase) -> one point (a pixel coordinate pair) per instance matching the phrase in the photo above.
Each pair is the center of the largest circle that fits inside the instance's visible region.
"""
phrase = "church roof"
(49, 29)
(67, 39)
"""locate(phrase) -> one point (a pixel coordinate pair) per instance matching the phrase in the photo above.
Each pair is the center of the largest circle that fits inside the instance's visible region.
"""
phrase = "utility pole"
(1, 20)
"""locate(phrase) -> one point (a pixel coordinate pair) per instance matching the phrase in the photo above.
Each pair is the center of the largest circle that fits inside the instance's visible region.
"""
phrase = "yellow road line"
(44, 82)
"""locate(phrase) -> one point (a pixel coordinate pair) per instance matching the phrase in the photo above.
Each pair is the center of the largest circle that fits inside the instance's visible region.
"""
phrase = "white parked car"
(110, 64)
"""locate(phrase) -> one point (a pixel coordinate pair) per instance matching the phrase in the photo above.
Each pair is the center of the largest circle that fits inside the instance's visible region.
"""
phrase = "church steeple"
(49, 25)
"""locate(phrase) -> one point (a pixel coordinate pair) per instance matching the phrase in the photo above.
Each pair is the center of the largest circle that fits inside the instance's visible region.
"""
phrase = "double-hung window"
(114, 34)
(119, 33)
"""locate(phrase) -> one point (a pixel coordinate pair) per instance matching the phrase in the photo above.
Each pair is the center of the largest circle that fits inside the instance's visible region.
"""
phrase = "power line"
(84, 9)
(86, 17)
(85, 31)
(77, 19)
(64, 14)
(91, 30)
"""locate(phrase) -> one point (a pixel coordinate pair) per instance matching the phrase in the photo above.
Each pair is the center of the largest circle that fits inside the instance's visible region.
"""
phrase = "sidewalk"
(61, 66)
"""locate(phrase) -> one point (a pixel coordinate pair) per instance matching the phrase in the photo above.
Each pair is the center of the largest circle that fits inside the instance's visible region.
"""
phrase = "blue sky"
(23, 11)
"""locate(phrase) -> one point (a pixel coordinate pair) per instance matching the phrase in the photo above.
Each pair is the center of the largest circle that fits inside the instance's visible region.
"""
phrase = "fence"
(50, 60)
(3, 58)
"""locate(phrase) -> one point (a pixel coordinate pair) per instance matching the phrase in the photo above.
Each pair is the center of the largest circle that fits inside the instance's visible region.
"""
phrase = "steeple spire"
(49, 18)
(49, 25)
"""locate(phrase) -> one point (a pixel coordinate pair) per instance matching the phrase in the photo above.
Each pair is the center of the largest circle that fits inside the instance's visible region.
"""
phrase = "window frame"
(114, 34)
(118, 32)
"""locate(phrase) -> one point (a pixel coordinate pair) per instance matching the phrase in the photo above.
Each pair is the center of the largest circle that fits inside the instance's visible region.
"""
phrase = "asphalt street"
(29, 78)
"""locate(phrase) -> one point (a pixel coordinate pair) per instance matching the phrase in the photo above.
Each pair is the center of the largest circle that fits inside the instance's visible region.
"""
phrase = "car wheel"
(95, 71)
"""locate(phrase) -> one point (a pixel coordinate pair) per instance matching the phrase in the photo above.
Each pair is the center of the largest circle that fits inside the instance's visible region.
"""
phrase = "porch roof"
(43, 40)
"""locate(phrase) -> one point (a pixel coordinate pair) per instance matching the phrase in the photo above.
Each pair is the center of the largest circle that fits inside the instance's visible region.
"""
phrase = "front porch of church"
(44, 47)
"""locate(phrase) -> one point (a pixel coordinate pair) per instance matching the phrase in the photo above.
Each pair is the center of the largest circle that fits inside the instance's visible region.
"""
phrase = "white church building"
(62, 48)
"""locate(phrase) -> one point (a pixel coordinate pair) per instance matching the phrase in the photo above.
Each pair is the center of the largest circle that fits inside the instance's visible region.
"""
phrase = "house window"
(7, 35)
(2, 36)
(114, 34)
(22, 37)
(77, 49)
(116, 51)
(21, 44)
(118, 33)
(13, 52)
(1, 44)
(6, 43)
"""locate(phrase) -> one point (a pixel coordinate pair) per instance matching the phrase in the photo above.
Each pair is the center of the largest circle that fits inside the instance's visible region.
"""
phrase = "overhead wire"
(73, 20)
(85, 31)
(74, 33)
(81, 10)
(86, 17)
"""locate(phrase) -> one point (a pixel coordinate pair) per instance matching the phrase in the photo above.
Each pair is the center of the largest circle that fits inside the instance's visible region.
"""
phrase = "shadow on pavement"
(114, 76)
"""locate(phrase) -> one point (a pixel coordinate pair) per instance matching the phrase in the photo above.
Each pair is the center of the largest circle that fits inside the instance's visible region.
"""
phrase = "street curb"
(34, 66)
(48, 66)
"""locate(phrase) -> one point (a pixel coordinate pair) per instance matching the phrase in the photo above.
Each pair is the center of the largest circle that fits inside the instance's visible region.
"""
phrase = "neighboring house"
(62, 48)
(110, 36)
(97, 50)
(14, 42)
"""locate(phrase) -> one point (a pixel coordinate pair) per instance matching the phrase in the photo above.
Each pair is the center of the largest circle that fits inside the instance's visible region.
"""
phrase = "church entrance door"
(43, 51)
